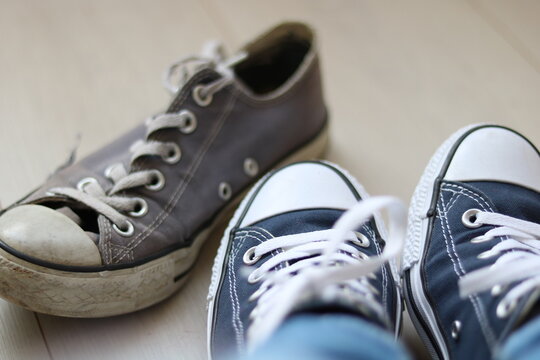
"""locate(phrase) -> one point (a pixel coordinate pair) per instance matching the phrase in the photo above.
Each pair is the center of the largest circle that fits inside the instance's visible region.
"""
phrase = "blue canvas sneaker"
(471, 265)
(284, 253)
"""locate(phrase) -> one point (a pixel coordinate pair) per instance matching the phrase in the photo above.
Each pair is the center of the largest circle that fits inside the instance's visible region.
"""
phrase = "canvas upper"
(299, 199)
(495, 171)
(231, 120)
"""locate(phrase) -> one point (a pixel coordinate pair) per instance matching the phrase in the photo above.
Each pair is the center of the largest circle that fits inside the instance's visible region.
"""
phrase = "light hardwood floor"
(400, 77)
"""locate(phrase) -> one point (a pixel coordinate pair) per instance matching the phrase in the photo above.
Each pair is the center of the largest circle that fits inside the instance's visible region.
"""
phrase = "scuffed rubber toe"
(45, 234)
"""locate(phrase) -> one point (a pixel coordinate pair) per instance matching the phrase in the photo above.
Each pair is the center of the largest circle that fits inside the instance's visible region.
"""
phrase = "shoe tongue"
(336, 299)
(73, 216)
(67, 212)
(511, 200)
(300, 221)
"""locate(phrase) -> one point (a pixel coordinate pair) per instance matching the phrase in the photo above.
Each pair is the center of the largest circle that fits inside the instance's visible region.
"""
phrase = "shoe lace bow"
(320, 263)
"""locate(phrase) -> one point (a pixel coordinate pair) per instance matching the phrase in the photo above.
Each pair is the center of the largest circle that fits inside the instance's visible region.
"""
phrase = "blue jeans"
(329, 336)
(344, 337)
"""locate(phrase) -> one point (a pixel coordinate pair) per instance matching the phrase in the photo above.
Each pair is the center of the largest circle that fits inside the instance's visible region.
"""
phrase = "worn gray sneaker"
(119, 230)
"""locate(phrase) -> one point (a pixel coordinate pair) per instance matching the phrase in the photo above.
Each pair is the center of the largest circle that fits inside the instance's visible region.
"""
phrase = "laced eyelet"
(363, 256)
(249, 256)
(199, 98)
(174, 154)
(252, 279)
(485, 255)
(251, 168)
(505, 308)
(225, 191)
(496, 290)
(469, 218)
(141, 208)
(158, 181)
(480, 239)
(189, 122)
(361, 239)
(127, 231)
(85, 182)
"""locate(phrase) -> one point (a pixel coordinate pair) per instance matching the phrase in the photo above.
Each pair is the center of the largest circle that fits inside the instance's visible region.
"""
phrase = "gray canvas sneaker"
(119, 230)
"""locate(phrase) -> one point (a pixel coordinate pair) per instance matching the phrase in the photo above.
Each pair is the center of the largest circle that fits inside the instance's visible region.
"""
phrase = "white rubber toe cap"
(496, 154)
(47, 235)
(297, 187)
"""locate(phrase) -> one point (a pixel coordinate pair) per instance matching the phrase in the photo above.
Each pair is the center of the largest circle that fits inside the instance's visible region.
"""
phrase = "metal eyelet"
(199, 98)
(174, 154)
(85, 182)
(456, 329)
(496, 290)
(141, 208)
(249, 256)
(158, 181)
(361, 239)
(251, 168)
(108, 171)
(189, 122)
(128, 231)
(469, 218)
(505, 308)
(225, 191)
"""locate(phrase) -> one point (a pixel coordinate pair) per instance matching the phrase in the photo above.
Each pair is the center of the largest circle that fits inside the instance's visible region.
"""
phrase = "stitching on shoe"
(118, 248)
(108, 232)
(179, 191)
(453, 199)
(239, 239)
(470, 194)
(449, 239)
(371, 233)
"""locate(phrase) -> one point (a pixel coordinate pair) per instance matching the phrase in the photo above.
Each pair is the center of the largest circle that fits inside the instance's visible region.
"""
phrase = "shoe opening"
(274, 57)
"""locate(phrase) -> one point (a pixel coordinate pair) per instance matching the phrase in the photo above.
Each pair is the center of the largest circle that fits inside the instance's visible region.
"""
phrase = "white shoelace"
(324, 263)
(519, 258)
(110, 203)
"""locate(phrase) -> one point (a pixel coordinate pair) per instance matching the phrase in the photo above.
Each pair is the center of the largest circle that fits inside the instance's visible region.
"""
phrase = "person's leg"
(524, 344)
(329, 337)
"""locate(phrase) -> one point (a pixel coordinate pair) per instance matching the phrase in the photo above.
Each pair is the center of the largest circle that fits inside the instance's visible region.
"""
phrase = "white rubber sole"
(417, 230)
(217, 269)
(114, 292)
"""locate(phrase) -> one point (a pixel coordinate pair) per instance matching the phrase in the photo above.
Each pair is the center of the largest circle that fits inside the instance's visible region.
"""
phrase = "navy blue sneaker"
(281, 255)
(471, 267)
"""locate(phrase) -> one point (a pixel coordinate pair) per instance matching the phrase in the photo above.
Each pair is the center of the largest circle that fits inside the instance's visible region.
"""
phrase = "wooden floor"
(400, 77)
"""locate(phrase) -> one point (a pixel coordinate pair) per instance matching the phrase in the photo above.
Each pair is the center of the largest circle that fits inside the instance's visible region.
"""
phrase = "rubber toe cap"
(47, 235)
(493, 153)
(305, 185)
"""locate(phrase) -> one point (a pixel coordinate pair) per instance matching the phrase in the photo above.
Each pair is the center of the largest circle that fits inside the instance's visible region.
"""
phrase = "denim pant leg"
(329, 337)
(524, 344)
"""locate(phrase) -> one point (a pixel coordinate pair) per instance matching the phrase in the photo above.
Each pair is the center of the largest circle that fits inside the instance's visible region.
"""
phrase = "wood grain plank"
(93, 68)
(173, 329)
(20, 335)
(400, 77)
(517, 22)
